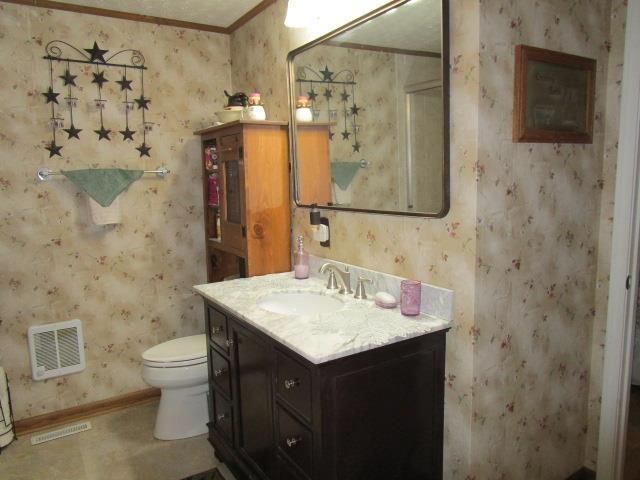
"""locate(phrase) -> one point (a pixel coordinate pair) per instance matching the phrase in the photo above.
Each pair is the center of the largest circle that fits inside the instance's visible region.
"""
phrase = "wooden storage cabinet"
(373, 415)
(247, 223)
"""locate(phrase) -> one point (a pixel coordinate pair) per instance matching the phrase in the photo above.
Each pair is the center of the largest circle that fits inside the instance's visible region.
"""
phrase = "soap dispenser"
(301, 261)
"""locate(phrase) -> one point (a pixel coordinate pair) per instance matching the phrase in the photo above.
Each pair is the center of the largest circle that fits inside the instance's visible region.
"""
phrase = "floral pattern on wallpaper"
(129, 284)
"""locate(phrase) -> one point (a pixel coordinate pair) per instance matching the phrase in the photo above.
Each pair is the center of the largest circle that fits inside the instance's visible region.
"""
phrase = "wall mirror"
(369, 127)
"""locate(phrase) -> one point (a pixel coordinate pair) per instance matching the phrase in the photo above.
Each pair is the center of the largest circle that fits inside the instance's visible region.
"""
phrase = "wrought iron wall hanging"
(103, 64)
(324, 84)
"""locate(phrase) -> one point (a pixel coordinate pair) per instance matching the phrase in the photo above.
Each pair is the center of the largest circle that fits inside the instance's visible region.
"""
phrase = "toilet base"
(182, 413)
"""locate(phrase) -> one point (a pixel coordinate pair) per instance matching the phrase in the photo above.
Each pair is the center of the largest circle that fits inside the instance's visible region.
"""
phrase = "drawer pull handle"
(229, 343)
(293, 441)
(218, 372)
(289, 384)
(222, 417)
(217, 330)
(226, 149)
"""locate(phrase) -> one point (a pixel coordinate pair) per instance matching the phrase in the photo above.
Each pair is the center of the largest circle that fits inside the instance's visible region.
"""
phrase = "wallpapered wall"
(521, 247)
(128, 284)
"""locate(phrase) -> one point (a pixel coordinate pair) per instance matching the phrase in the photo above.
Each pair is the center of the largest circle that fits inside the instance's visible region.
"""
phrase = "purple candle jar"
(410, 297)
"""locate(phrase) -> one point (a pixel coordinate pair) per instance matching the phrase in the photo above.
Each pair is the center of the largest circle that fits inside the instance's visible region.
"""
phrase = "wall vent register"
(56, 349)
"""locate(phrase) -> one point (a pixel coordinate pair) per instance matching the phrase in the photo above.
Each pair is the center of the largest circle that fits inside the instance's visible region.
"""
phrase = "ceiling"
(218, 13)
(415, 25)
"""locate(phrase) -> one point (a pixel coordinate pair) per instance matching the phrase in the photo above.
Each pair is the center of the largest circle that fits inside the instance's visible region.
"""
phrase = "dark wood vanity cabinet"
(372, 415)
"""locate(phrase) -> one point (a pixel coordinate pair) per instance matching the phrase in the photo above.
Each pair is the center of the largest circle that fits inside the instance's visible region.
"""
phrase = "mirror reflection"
(370, 118)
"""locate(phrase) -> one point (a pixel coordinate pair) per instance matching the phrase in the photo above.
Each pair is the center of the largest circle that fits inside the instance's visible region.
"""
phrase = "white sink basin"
(300, 303)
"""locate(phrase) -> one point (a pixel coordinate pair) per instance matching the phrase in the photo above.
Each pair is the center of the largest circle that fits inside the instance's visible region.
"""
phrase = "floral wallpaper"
(129, 284)
(524, 247)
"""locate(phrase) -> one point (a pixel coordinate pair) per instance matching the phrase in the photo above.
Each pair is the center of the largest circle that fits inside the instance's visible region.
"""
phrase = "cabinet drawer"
(222, 417)
(220, 373)
(295, 441)
(229, 147)
(294, 384)
(218, 329)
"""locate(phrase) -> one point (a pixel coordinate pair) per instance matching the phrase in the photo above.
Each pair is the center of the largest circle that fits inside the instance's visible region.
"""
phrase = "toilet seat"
(179, 352)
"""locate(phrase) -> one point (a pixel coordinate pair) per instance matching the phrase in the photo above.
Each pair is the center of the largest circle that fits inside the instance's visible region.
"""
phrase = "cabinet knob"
(291, 383)
(219, 372)
(293, 441)
(217, 330)
(229, 343)
(221, 417)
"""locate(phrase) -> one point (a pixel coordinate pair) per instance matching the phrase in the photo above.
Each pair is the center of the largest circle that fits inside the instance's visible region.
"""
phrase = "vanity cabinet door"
(252, 355)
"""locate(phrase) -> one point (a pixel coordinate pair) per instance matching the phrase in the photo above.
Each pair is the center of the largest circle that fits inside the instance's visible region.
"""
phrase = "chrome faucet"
(343, 275)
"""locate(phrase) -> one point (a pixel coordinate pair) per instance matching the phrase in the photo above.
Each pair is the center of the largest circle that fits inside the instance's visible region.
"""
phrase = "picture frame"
(553, 100)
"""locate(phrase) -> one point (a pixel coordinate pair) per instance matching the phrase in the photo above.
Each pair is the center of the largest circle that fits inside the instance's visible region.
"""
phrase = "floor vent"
(56, 349)
(61, 432)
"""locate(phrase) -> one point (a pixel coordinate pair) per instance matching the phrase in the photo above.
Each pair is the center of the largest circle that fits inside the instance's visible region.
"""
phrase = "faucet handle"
(332, 283)
(360, 290)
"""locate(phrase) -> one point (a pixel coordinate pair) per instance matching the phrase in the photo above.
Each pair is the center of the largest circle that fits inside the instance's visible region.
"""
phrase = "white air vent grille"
(56, 349)
(61, 432)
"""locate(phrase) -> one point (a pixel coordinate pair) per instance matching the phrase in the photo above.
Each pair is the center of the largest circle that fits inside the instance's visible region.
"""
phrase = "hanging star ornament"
(328, 93)
(326, 74)
(142, 102)
(312, 95)
(355, 109)
(331, 134)
(53, 149)
(356, 146)
(344, 96)
(103, 133)
(68, 78)
(127, 134)
(50, 95)
(124, 83)
(99, 78)
(346, 135)
(72, 131)
(97, 54)
(144, 150)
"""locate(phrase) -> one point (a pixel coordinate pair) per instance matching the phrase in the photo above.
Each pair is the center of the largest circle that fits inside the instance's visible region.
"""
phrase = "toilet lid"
(178, 349)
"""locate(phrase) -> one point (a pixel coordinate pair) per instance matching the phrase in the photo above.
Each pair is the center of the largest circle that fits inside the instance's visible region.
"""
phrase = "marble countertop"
(359, 326)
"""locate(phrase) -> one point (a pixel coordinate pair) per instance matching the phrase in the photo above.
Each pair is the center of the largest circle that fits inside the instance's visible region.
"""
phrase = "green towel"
(342, 173)
(103, 184)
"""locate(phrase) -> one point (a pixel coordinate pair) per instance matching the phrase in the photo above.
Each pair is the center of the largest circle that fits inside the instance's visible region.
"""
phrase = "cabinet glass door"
(232, 198)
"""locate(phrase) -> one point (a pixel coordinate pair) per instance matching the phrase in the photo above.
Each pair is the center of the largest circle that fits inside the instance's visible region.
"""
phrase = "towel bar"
(43, 173)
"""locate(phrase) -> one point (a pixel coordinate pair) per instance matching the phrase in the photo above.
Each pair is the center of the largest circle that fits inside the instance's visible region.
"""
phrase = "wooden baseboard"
(583, 474)
(48, 420)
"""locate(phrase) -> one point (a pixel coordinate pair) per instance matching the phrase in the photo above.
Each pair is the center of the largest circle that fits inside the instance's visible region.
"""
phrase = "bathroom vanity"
(353, 393)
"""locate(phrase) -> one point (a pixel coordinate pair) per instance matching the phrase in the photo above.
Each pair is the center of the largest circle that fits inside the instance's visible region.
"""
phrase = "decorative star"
(103, 133)
(99, 79)
(356, 146)
(142, 102)
(344, 96)
(68, 78)
(127, 134)
(328, 93)
(312, 95)
(346, 135)
(97, 55)
(326, 74)
(144, 150)
(50, 95)
(124, 83)
(53, 149)
(72, 131)
(331, 134)
(355, 109)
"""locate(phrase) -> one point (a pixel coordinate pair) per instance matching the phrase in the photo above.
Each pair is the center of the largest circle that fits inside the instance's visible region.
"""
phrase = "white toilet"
(179, 368)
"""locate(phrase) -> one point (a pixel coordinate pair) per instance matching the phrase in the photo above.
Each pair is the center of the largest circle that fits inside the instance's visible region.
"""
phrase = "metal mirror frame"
(446, 178)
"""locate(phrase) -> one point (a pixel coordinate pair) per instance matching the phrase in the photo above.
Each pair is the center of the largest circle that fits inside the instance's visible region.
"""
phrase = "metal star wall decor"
(97, 54)
(60, 52)
(323, 111)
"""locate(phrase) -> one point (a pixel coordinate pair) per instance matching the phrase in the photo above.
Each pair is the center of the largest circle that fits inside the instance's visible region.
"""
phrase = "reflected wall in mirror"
(370, 113)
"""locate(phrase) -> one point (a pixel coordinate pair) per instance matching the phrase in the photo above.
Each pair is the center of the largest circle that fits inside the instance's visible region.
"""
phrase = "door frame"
(623, 285)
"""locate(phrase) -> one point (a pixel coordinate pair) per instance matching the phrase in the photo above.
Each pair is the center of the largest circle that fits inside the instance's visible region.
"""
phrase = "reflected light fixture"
(298, 14)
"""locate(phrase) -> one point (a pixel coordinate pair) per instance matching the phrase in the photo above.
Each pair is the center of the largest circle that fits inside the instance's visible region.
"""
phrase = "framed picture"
(553, 96)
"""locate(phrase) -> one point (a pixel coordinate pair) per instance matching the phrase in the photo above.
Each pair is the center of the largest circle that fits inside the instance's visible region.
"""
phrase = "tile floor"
(119, 446)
